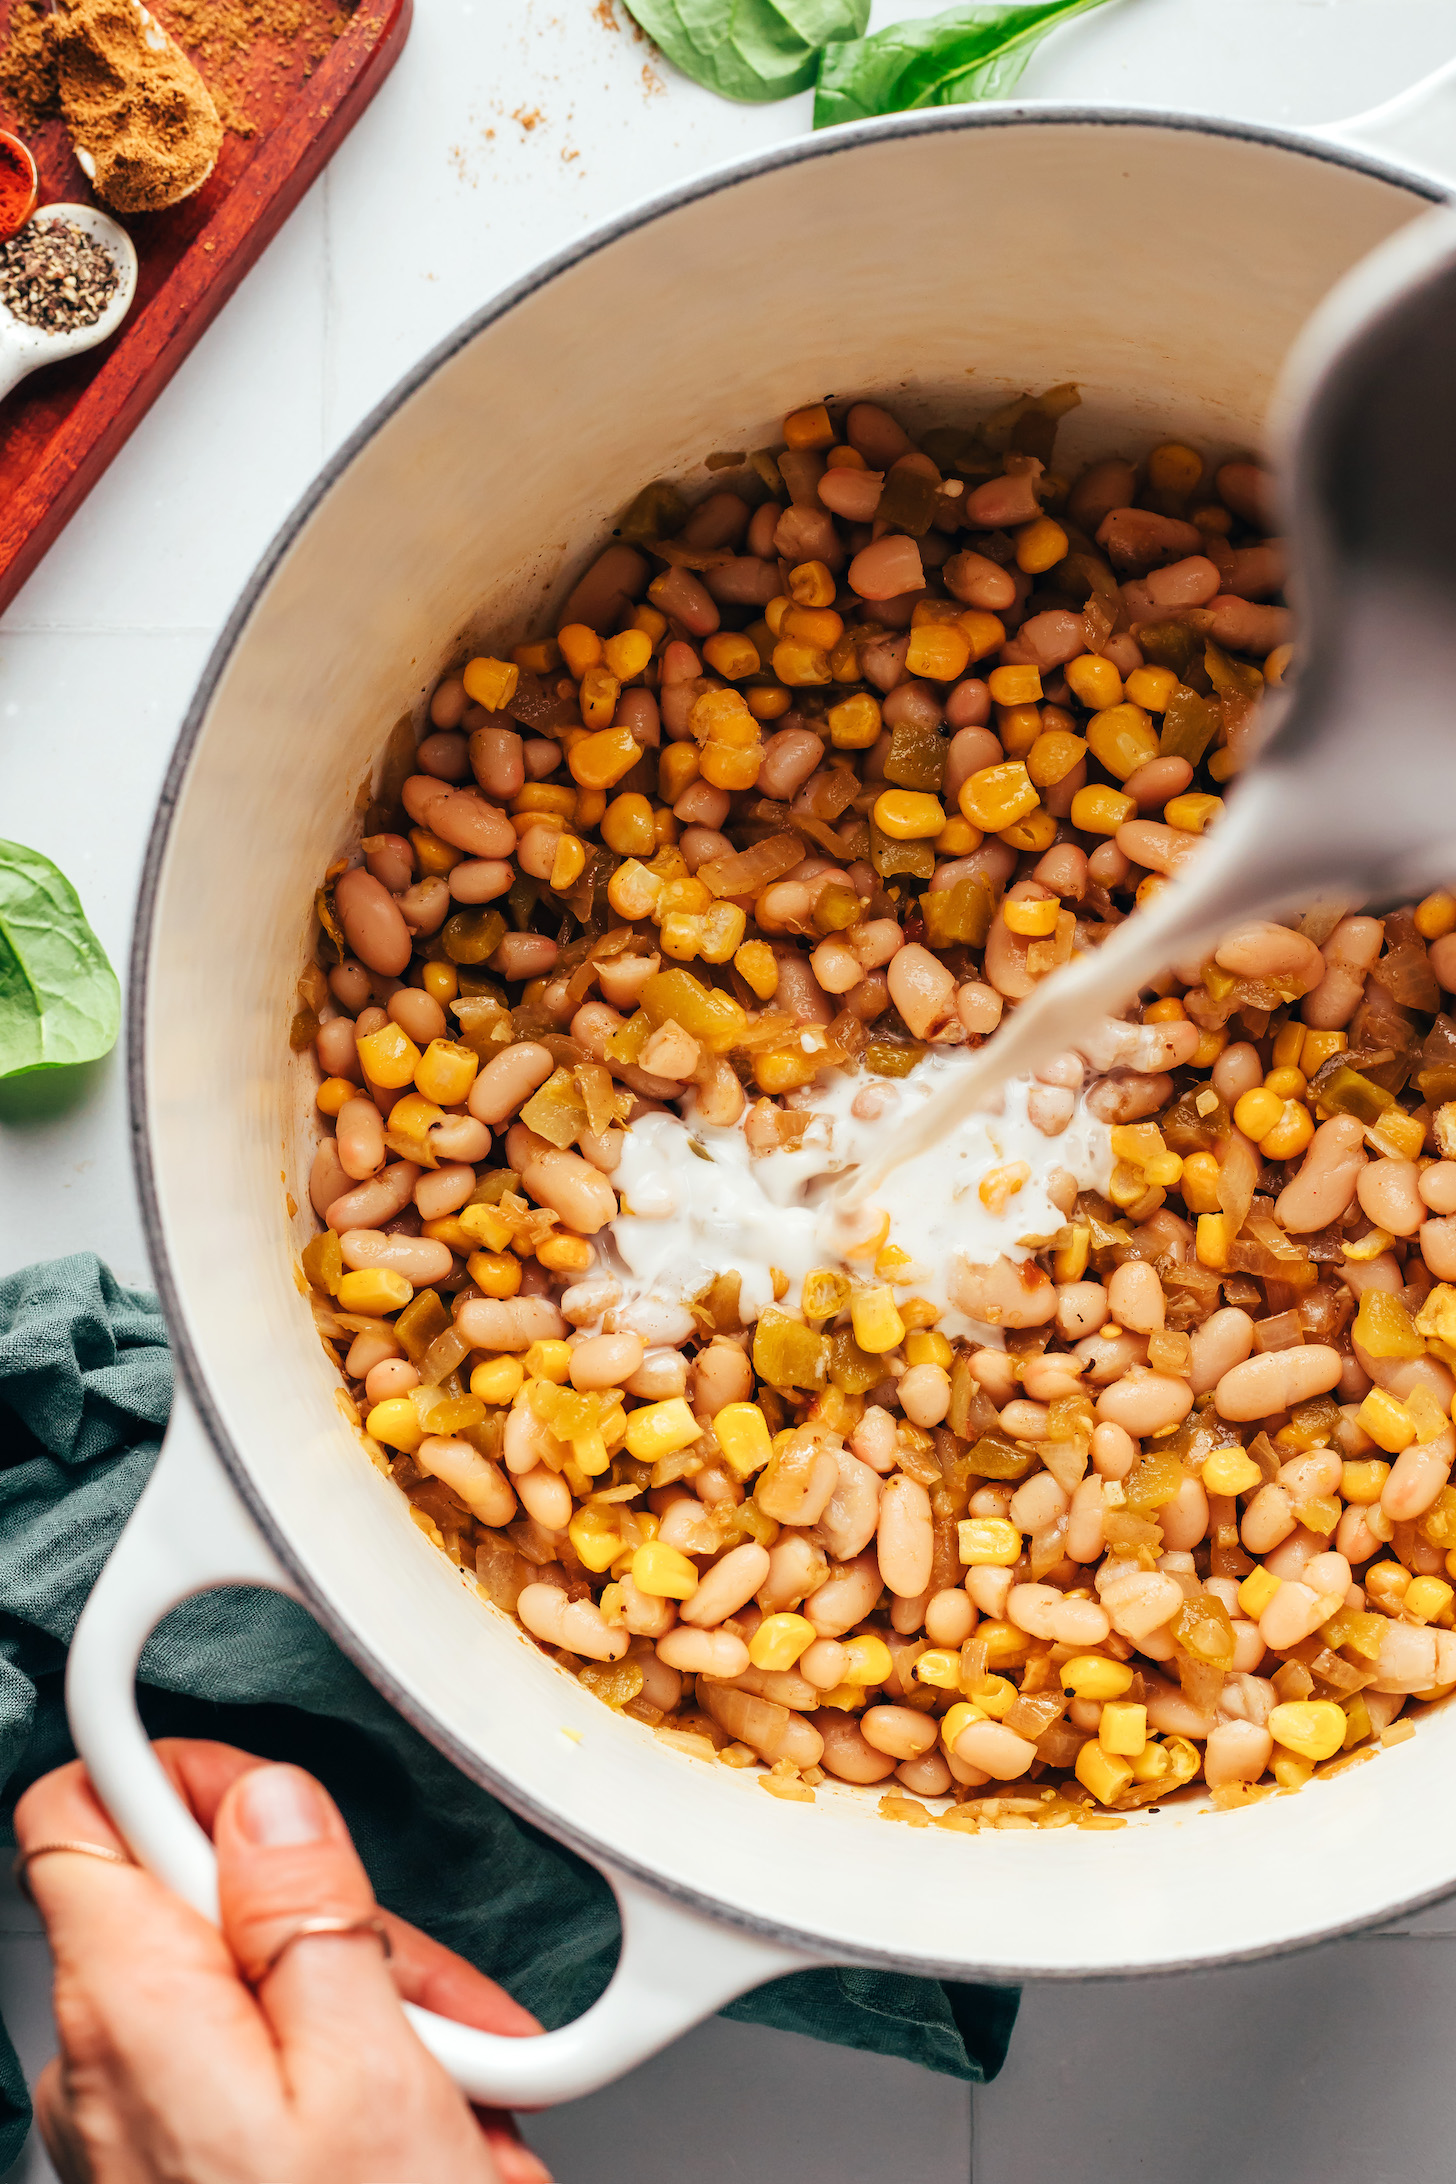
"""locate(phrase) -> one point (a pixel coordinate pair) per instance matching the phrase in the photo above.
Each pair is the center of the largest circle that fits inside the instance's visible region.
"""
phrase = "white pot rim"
(352, 1642)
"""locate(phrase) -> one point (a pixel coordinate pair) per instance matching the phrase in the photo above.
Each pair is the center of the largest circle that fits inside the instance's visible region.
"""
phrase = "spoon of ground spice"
(145, 128)
(66, 281)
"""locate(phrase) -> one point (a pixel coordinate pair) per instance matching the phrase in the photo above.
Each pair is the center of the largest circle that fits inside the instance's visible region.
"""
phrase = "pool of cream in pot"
(697, 1201)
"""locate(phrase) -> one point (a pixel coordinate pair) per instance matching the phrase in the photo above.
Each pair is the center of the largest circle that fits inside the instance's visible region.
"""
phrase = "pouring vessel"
(941, 262)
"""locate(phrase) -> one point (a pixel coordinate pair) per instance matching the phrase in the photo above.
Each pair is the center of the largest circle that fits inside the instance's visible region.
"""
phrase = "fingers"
(428, 1973)
(57, 2127)
(284, 1856)
(515, 2163)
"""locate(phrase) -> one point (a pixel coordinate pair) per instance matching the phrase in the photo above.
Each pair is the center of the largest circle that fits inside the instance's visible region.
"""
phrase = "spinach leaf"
(59, 999)
(749, 49)
(975, 51)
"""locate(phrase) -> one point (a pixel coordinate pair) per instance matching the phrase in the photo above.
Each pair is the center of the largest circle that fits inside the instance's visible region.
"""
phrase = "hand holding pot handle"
(189, 1533)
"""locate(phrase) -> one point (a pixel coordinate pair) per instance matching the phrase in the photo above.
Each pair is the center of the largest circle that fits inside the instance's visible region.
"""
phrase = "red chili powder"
(17, 187)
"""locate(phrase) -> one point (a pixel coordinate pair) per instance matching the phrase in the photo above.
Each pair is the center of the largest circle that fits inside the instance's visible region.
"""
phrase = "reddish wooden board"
(60, 428)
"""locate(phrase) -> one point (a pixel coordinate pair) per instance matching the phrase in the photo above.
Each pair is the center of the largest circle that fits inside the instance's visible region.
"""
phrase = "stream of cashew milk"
(698, 1201)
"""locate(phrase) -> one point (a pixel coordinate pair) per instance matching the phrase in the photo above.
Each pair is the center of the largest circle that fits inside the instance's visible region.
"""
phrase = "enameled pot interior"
(941, 262)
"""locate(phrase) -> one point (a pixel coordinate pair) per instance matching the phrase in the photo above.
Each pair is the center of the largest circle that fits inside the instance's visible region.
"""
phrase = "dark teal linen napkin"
(85, 1387)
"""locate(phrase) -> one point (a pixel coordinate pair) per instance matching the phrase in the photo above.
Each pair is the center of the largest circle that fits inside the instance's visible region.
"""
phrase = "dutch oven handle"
(189, 1533)
(1417, 128)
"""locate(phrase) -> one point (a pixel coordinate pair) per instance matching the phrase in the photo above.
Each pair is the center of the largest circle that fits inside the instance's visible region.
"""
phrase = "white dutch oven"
(942, 261)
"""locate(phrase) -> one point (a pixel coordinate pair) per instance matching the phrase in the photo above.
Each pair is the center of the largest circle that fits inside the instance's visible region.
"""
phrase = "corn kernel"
(1256, 1112)
(1290, 1134)
(1038, 830)
(958, 838)
(1210, 1045)
(627, 653)
(664, 1572)
(808, 427)
(373, 1289)
(957, 1718)
(546, 796)
(1036, 920)
(1174, 468)
(877, 1325)
(1092, 1676)
(595, 1537)
(1005, 1644)
(1053, 755)
(926, 1348)
(484, 1225)
(731, 767)
(633, 890)
(1288, 1046)
(778, 1642)
(433, 857)
(1318, 1047)
(1122, 738)
(1427, 1599)
(819, 627)
(939, 651)
(660, 1429)
(998, 796)
(1212, 1240)
(1290, 1084)
(1362, 1480)
(1387, 1584)
(542, 658)
(596, 697)
(1151, 688)
(731, 655)
(494, 1273)
(548, 1360)
(908, 815)
(854, 724)
(498, 1380)
(1290, 1772)
(441, 982)
(581, 648)
(1040, 545)
(801, 665)
(1436, 916)
(1310, 1728)
(1388, 1422)
(743, 1436)
(1014, 685)
(868, 1662)
(995, 1695)
(940, 1667)
(491, 683)
(1093, 681)
(1257, 1590)
(388, 1057)
(1230, 1471)
(1123, 1728)
(1222, 766)
(333, 1094)
(396, 1423)
(1105, 1775)
(1100, 809)
(1192, 813)
(627, 825)
(600, 760)
(445, 1072)
(988, 1542)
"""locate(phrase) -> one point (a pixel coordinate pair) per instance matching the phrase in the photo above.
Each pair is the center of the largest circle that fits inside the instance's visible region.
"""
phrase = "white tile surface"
(508, 128)
(736, 2104)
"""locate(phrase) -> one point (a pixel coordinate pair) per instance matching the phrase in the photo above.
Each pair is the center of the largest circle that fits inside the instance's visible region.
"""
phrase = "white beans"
(576, 1625)
(723, 1589)
(481, 1485)
(906, 1537)
(998, 1750)
(1262, 1385)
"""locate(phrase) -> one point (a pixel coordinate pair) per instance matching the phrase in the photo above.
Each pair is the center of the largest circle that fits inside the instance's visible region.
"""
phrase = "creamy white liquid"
(698, 1202)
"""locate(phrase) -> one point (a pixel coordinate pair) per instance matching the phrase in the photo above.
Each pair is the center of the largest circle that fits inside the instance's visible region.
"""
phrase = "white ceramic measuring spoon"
(24, 348)
(1352, 795)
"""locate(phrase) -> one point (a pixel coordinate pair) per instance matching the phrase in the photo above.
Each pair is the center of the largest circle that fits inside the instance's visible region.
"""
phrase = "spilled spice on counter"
(53, 276)
(142, 120)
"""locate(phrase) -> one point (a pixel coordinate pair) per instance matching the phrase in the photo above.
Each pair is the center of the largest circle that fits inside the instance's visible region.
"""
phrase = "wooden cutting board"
(61, 427)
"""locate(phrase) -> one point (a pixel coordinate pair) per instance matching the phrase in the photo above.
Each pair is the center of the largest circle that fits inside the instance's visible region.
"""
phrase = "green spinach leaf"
(976, 51)
(750, 49)
(59, 998)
